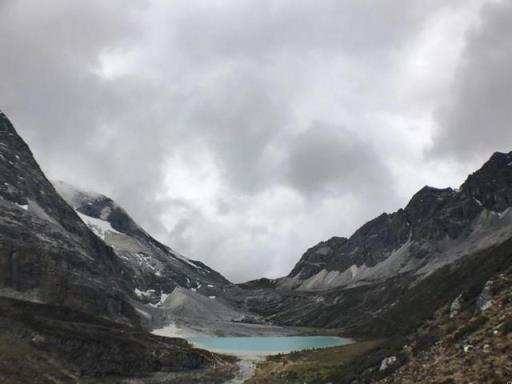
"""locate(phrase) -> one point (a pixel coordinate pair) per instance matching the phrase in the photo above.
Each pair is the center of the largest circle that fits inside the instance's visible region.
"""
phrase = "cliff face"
(397, 269)
(47, 254)
(67, 302)
(153, 270)
(418, 238)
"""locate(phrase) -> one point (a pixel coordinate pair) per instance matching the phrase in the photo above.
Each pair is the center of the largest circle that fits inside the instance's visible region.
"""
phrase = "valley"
(88, 296)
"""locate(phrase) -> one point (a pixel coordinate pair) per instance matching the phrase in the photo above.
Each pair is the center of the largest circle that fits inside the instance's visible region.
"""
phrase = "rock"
(388, 362)
(467, 348)
(485, 299)
(456, 306)
(152, 268)
(408, 350)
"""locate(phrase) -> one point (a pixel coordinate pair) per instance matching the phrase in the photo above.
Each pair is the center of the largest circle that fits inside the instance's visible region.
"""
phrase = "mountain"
(166, 287)
(436, 227)
(69, 305)
(153, 270)
(397, 269)
(47, 254)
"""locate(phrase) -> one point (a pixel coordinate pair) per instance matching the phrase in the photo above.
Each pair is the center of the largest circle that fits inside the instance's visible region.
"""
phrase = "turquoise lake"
(266, 344)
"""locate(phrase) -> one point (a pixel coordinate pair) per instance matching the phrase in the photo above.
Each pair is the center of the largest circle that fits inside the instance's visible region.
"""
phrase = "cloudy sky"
(243, 132)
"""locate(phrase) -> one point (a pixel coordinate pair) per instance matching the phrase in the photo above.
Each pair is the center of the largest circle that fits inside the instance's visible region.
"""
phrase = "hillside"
(69, 308)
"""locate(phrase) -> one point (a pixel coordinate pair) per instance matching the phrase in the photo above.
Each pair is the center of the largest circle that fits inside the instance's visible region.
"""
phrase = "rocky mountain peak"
(154, 268)
(317, 256)
(416, 238)
(47, 254)
(426, 200)
(491, 185)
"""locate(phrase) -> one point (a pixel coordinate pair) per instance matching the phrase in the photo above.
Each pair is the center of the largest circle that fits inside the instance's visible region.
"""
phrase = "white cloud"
(242, 132)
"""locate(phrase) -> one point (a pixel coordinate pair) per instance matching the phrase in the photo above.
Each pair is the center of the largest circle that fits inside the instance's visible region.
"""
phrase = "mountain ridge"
(432, 214)
(68, 308)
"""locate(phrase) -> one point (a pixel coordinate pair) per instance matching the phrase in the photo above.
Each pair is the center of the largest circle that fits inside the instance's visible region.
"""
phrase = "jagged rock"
(388, 362)
(66, 299)
(152, 269)
(47, 254)
(485, 299)
(456, 306)
(401, 267)
(416, 238)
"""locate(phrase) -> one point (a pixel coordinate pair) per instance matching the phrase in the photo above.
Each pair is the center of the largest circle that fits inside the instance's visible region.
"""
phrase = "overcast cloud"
(243, 132)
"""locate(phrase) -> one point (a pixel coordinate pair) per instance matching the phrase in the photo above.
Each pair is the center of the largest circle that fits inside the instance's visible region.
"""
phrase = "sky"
(243, 132)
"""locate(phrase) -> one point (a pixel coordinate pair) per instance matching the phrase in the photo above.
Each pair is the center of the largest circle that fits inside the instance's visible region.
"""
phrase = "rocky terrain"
(444, 309)
(81, 283)
(171, 293)
(399, 267)
(153, 269)
(69, 303)
(471, 341)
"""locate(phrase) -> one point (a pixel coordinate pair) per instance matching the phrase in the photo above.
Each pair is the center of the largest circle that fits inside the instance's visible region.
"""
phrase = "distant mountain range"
(73, 279)
(81, 282)
(399, 267)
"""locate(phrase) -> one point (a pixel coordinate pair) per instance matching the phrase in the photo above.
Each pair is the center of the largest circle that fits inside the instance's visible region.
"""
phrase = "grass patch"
(507, 326)
(470, 327)
(313, 366)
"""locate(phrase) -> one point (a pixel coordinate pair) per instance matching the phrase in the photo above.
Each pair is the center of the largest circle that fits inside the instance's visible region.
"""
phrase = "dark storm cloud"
(477, 118)
(332, 159)
(206, 119)
(239, 121)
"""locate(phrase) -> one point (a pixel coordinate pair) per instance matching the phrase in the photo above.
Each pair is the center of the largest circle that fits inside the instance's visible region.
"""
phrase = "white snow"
(163, 297)
(478, 202)
(211, 285)
(212, 297)
(143, 294)
(100, 227)
(25, 206)
(354, 269)
(501, 215)
(179, 256)
(143, 313)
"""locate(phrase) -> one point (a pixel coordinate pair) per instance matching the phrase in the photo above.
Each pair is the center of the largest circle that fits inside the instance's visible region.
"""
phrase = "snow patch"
(143, 313)
(163, 297)
(24, 206)
(144, 294)
(100, 227)
(180, 257)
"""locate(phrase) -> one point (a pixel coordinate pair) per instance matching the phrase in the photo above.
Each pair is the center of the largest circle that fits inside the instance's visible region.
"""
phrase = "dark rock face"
(66, 297)
(431, 216)
(46, 252)
(491, 185)
(95, 347)
(455, 240)
(317, 257)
